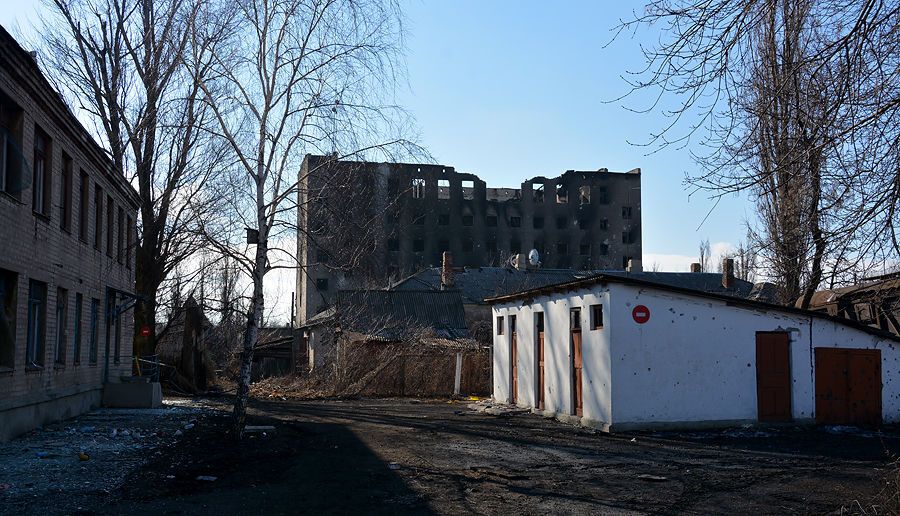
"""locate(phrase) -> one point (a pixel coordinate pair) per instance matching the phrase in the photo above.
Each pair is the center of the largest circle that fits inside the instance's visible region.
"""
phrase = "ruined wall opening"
(468, 190)
(418, 188)
(443, 188)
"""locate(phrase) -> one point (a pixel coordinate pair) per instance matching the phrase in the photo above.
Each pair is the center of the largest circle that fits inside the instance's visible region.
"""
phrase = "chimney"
(634, 266)
(728, 273)
(695, 267)
(447, 271)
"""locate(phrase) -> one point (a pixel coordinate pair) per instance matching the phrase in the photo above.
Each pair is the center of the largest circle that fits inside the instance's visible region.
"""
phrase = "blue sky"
(510, 90)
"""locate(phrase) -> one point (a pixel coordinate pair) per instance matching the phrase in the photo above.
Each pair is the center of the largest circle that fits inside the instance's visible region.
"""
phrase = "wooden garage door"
(848, 386)
(773, 376)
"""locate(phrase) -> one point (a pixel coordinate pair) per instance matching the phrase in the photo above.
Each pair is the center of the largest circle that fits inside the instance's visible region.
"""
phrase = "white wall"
(694, 360)
(557, 355)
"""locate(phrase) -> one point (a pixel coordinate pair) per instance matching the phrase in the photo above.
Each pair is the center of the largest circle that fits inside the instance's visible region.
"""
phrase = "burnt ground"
(402, 456)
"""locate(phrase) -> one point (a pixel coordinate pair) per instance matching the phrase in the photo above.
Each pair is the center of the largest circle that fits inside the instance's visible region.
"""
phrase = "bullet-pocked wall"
(407, 215)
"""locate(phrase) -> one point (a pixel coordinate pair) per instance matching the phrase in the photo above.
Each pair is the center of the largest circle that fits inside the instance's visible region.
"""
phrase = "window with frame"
(443, 219)
(129, 241)
(65, 215)
(499, 325)
(443, 188)
(117, 342)
(94, 331)
(538, 193)
(491, 245)
(62, 324)
(98, 217)
(110, 225)
(37, 321)
(604, 224)
(515, 221)
(9, 286)
(10, 147)
(626, 212)
(120, 236)
(41, 179)
(537, 222)
(76, 330)
(84, 191)
(596, 317)
(604, 249)
(468, 189)
(490, 221)
(468, 220)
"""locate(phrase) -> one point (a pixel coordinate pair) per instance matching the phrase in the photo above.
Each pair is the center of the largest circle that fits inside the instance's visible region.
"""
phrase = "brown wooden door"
(577, 367)
(848, 386)
(513, 353)
(773, 376)
(540, 370)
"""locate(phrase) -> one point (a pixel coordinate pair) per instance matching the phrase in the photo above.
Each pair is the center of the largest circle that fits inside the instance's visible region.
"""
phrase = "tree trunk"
(146, 289)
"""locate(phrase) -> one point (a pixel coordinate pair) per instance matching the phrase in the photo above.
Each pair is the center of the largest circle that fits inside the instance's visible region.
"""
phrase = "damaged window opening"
(9, 282)
(321, 256)
(539, 247)
(515, 247)
(444, 219)
(419, 219)
(596, 317)
(602, 197)
(582, 223)
(585, 250)
(562, 196)
(468, 190)
(322, 284)
(562, 248)
(604, 249)
(628, 237)
(443, 189)
(76, 337)
(418, 245)
(626, 212)
(538, 194)
(393, 244)
(468, 220)
(42, 178)
(538, 222)
(490, 221)
(585, 194)
(515, 222)
(468, 245)
(491, 246)
(561, 222)
(418, 188)
(443, 245)
(604, 223)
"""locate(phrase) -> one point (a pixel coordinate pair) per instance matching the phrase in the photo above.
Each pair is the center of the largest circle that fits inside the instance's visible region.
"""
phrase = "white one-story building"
(619, 352)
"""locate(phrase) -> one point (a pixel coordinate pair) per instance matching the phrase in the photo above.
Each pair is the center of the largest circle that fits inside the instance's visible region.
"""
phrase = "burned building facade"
(362, 223)
(67, 232)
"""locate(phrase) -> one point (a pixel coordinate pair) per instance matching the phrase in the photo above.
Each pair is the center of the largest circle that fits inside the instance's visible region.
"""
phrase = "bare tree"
(294, 76)
(796, 103)
(121, 63)
(705, 264)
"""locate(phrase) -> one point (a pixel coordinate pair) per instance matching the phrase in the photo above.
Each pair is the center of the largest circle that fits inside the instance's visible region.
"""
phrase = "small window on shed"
(468, 190)
(596, 317)
(418, 188)
(538, 194)
(562, 195)
(443, 188)
(585, 194)
(499, 325)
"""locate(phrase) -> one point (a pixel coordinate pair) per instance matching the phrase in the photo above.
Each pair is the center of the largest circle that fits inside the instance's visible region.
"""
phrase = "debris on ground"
(89, 456)
(497, 409)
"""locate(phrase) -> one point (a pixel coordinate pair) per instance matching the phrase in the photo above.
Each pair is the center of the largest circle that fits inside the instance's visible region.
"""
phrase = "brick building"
(362, 223)
(67, 224)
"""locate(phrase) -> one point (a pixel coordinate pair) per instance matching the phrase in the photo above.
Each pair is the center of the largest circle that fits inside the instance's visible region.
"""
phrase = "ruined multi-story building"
(67, 229)
(363, 223)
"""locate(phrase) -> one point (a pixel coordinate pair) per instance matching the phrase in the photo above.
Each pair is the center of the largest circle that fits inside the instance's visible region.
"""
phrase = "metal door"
(773, 376)
(848, 386)
(541, 386)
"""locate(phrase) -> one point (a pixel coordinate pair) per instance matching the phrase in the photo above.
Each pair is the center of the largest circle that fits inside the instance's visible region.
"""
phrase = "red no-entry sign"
(640, 314)
(145, 331)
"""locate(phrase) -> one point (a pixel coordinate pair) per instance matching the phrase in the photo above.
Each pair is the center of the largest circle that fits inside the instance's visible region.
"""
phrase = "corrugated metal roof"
(391, 314)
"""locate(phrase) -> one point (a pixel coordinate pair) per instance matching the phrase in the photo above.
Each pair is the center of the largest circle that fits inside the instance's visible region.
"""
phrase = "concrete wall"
(693, 362)
(36, 247)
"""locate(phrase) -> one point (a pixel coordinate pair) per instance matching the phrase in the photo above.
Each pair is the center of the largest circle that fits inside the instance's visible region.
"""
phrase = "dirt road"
(390, 456)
